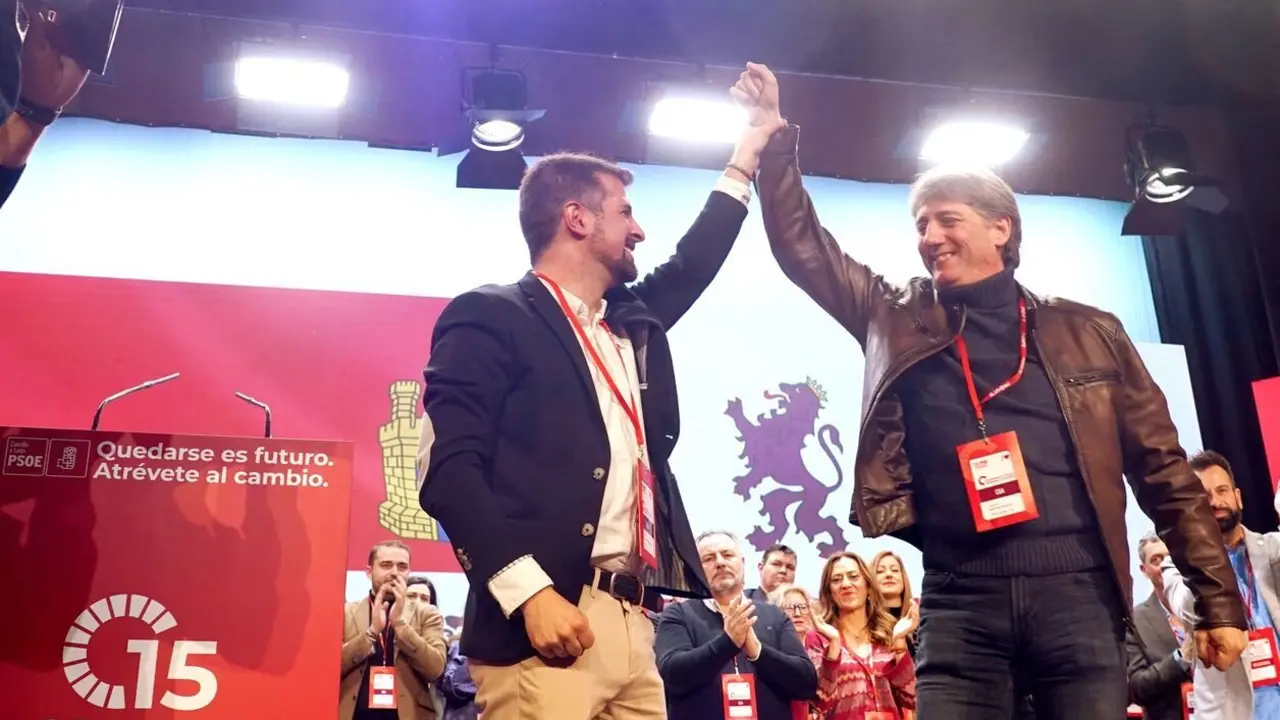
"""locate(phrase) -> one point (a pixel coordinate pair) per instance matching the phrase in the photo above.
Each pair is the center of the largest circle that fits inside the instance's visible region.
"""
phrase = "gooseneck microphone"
(97, 416)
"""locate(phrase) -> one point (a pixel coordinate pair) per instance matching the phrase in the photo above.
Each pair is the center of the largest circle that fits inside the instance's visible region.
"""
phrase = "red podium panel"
(164, 576)
(1266, 395)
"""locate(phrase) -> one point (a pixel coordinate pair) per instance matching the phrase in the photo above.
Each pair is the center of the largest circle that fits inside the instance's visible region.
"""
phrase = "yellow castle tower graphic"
(400, 512)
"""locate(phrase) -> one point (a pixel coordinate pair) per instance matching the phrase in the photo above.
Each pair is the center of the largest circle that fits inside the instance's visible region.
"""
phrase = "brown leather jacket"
(1117, 416)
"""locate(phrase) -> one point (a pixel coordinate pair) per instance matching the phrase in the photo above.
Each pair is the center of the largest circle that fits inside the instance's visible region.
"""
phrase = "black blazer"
(520, 451)
(693, 652)
(1155, 676)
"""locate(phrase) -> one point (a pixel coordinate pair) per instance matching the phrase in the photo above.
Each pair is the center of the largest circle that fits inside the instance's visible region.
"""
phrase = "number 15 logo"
(144, 692)
(102, 694)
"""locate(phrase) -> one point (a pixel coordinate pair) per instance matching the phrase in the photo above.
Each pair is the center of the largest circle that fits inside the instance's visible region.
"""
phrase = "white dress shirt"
(615, 544)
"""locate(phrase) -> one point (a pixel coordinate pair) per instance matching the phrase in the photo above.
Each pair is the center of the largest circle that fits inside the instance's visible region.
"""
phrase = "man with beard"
(391, 649)
(1249, 689)
(730, 651)
(551, 412)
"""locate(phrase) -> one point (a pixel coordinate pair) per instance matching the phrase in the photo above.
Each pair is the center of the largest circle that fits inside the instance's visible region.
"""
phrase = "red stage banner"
(161, 576)
(336, 365)
(1266, 396)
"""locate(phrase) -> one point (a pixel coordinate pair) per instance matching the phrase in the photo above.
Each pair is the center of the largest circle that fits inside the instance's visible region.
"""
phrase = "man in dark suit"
(550, 415)
(704, 647)
(1157, 666)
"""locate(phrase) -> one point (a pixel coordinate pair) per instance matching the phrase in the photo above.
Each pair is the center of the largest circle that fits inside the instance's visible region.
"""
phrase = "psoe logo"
(103, 694)
(773, 447)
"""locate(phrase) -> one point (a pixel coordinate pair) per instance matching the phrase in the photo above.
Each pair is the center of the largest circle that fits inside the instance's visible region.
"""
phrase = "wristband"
(36, 114)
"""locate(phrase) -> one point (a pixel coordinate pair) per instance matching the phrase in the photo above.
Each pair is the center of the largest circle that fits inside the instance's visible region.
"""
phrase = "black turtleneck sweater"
(939, 417)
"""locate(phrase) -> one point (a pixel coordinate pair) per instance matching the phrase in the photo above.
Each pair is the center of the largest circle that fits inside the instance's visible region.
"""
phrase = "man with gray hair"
(729, 651)
(997, 426)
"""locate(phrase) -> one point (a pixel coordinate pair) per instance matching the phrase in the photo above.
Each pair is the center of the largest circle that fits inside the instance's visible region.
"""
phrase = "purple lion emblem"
(772, 447)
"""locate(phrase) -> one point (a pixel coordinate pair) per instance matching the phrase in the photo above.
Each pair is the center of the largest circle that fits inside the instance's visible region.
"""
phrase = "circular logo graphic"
(75, 653)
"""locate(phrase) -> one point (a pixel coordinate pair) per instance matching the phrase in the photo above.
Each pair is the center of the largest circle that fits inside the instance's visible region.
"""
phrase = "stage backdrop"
(369, 244)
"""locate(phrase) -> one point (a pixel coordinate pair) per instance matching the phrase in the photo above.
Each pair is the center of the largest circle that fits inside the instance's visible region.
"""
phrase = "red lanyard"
(1250, 588)
(628, 407)
(963, 350)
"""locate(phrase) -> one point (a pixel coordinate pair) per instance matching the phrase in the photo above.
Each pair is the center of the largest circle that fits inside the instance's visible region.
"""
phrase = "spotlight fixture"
(1163, 175)
(973, 142)
(496, 106)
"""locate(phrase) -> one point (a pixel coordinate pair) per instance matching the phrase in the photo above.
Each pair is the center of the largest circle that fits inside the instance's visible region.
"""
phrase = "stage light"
(697, 119)
(291, 81)
(973, 142)
(497, 108)
(1162, 172)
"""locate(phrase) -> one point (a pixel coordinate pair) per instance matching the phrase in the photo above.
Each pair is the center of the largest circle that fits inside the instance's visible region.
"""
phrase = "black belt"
(629, 588)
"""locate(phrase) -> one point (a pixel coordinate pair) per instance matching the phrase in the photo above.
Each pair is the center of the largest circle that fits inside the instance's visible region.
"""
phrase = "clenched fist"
(1220, 647)
(757, 91)
(556, 627)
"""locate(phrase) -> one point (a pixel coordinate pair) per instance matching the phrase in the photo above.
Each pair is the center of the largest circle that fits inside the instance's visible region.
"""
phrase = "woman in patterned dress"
(864, 671)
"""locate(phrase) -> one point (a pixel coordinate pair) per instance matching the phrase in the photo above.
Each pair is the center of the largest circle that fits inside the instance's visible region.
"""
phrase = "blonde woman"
(895, 587)
(797, 606)
(864, 672)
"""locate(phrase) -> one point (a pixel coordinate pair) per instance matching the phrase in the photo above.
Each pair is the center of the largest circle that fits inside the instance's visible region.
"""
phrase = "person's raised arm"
(50, 79)
(808, 255)
(671, 289)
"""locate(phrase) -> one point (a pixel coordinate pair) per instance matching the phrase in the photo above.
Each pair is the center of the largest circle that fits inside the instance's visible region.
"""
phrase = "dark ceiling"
(1158, 51)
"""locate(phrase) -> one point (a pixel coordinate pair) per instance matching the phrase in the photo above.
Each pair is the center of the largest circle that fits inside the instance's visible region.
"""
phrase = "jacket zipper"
(1056, 382)
(904, 364)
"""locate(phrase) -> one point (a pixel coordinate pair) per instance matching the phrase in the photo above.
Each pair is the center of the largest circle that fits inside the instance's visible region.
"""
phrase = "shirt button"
(588, 530)
(598, 473)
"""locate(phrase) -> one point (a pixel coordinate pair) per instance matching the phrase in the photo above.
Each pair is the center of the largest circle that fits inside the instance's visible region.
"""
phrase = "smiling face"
(1224, 497)
(957, 244)
(612, 232)
(889, 577)
(847, 584)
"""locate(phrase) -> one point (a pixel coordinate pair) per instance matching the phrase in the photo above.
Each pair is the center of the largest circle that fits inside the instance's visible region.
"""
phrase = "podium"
(164, 576)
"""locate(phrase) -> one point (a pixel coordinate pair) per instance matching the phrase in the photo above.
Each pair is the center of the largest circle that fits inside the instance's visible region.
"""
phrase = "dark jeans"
(986, 642)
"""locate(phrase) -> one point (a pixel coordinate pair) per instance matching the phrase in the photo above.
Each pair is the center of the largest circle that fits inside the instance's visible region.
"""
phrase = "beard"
(624, 269)
(1229, 523)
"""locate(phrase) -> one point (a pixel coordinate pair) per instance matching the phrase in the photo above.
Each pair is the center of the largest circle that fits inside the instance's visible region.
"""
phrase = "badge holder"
(1188, 701)
(1260, 658)
(382, 688)
(995, 475)
(739, 692)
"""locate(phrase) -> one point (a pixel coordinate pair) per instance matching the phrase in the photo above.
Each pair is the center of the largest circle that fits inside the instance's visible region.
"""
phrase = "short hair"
(776, 548)
(979, 188)
(555, 180)
(373, 551)
(424, 580)
(1143, 542)
(780, 593)
(1206, 459)
(709, 533)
